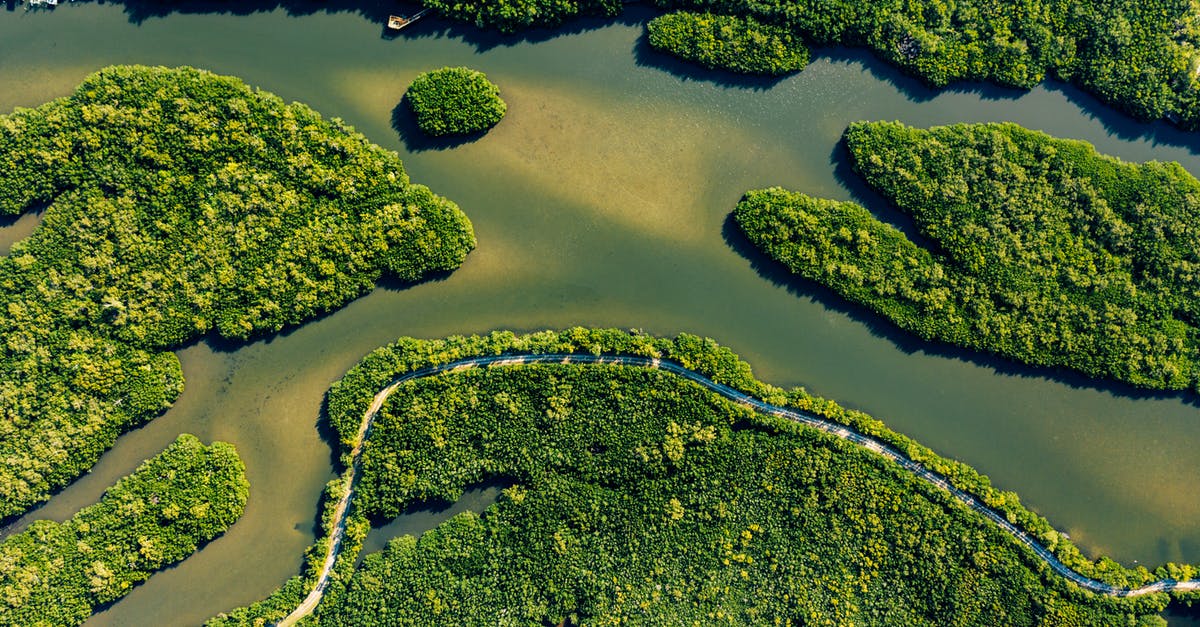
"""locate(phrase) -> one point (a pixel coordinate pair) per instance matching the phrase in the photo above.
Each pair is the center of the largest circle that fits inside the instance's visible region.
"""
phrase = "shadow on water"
(9, 219)
(1179, 614)
(373, 10)
(15, 229)
(910, 86)
(220, 344)
(865, 195)
(486, 39)
(646, 56)
(1115, 122)
(330, 436)
(422, 517)
(377, 12)
(779, 275)
(415, 140)
(1123, 126)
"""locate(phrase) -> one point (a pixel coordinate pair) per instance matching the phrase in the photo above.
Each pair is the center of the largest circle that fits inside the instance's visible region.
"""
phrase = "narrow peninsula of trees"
(1141, 56)
(1045, 251)
(738, 44)
(636, 494)
(510, 16)
(454, 101)
(58, 573)
(178, 202)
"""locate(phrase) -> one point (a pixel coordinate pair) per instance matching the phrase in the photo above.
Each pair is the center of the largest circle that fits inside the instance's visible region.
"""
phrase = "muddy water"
(16, 228)
(601, 199)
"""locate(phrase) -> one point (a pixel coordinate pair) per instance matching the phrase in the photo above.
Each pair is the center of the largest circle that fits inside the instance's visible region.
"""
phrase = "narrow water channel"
(601, 199)
(16, 228)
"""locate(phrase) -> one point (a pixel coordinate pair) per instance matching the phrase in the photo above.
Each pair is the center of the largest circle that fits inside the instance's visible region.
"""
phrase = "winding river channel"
(601, 200)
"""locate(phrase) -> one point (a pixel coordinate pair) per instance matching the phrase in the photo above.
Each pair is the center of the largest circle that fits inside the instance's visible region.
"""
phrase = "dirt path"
(811, 420)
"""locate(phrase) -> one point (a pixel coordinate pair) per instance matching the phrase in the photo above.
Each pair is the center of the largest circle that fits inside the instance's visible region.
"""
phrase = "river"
(601, 199)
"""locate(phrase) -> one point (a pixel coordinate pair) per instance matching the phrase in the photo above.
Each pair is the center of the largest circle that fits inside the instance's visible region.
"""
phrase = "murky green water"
(601, 199)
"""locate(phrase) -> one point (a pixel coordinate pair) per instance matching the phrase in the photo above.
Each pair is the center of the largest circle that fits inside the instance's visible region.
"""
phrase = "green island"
(178, 203)
(454, 101)
(727, 42)
(59, 573)
(1041, 249)
(1142, 57)
(637, 495)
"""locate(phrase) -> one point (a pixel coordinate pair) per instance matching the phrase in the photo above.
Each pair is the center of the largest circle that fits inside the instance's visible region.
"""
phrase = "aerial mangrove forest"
(726, 42)
(178, 203)
(59, 573)
(1039, 249)
(1142, 57)
(634, 495)
(454, 101)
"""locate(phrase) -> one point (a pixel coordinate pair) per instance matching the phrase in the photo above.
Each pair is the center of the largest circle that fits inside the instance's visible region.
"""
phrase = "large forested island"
(178, 202)
(637, 495)
(1041, 249)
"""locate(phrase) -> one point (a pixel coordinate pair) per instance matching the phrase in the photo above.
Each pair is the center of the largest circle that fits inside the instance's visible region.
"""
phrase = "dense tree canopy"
(1142, 56)
(732, 43)
(1046, 251)
(57, 574)
(638, 497)
(178, 202)
(454, 101)
(627, 485)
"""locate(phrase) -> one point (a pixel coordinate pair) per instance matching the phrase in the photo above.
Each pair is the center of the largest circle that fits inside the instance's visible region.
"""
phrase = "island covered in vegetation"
(178, 202)
(634, 494)
(59, 573)
(727, 42)
(454, 101)
(1043, 250)
(1141, 56)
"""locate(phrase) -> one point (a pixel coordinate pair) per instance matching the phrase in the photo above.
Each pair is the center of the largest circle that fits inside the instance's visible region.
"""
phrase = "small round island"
(454, 101)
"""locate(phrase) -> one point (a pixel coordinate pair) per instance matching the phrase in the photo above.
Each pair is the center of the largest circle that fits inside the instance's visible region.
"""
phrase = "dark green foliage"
(1139, 55)
(56, 574)
(178, 202)
(731, 43)
(454, 101)
(636, 500)
(350, 397)
(509, 16)
(1047, 252)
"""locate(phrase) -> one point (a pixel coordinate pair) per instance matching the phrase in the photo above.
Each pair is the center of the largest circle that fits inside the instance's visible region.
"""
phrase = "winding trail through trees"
(841, 431)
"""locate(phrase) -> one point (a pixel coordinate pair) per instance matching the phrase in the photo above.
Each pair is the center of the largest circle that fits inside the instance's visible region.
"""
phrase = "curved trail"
(805, 418)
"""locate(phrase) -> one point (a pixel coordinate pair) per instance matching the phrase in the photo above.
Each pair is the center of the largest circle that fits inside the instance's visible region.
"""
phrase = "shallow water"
(16, 228)
(601, 199)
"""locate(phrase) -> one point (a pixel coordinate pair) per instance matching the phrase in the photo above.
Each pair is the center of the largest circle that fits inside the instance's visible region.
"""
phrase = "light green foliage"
(509, 16)
(732, 43)
(454, 101)
(642, 498)
(1047, 252)
(178, 202)
(57, 574)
